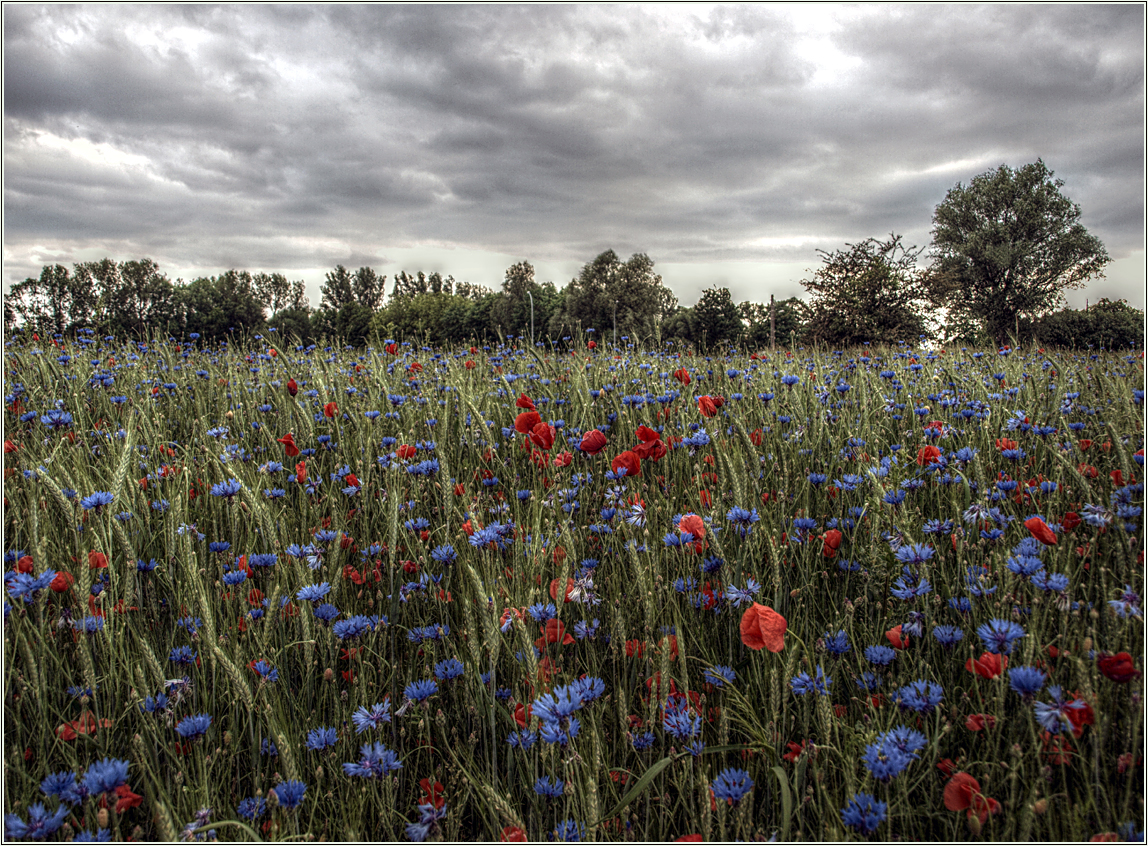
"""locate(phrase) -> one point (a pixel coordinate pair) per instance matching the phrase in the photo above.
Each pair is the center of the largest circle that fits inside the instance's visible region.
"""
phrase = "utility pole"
(615, 324)
(772, 324)
(531, 317)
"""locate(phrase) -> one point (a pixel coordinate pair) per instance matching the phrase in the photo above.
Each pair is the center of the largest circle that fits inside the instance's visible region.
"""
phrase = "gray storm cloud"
(296, 137)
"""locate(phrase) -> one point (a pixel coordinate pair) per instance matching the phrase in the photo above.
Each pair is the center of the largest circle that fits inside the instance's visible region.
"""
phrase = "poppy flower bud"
(1040, 806)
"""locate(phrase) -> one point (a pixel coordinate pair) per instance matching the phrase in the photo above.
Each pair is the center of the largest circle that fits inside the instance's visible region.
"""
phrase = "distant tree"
(631, 290)
(53, 303)
(1009, 245)
(872, 291)
(1109, 324)
(716, 318)
(368, 288)
(512, 308)
(680, 326)
(296, 321)
(788, 327)
(276, 293)
(220, 307)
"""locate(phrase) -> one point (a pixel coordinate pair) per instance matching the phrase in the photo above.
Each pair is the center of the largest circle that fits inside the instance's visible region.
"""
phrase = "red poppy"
(1070, 521)
(707, 406)
(563, 459)
(1040, 531)
(513, 834)
(392, 348)
(896, 639)
(682, 375)
(988, 666)
(795, 751)
(10, 447)
(652, 450)
(62, 582)
(468, 364)
(525, 422)
(24, 565)
(1118, 668)
(831, 541)
(976, 722)
(542, 435)
(554, 585)
(693, 524)
(554, 632)
(524, 402)
(635, 648)
(406, 452)
(946, 766)
(1080, 717)
(762, 627)
(301, 472)
(963, 793)
(97, 560)
(927, 455)
(630, 461)
(289, 447)
(292, 387)
(432, 793)
(1006, 443)
(330, 409)
(126, 799)
(522, 714)
(593, 442)
(690, 838)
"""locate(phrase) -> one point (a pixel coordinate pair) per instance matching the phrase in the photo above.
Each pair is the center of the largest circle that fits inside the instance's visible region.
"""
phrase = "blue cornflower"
(444, 554)
(681, 724)
(549, 787)
(1027, 681)
(63, 786)
(252, 808)
(320, 738)
(569, 831)
(948, 636)
(802, 683)
(868, 681)
(914, 553)
(837, 644)
(105, 776)
(999, 635)
(313, 593)
(864, 813)
(429, 817)
(227, 489)
(719, 676)
(368, 718)
(921, 696)
(375, 761)
(522, 739)
(558, 706)
(190, 728)
(183, 655)
(90, 625)
(1053, 716)
(419, 691)
(290, 793)
(731, 785)
(97, 500)
(1050, 582)
(885, 761)
(882, 656)
(326, 612)
(449, 669)
(541, 613)
(355, 627)
(265, 671)
(40, 825)
(910, 741)
(642, 741)
(587, 689)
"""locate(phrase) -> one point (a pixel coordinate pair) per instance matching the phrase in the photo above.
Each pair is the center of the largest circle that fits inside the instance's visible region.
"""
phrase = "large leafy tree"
(220, 307)
(716, 318)
(608, 286)
(1010, 243)
(53, 303)
(788, 328)
(871, 291)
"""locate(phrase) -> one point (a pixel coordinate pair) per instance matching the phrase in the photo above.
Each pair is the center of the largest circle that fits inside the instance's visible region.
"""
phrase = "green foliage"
(1108, 324)
(608, 288)
(716, 318)
(1009, 244)
(53, 303)
(873, 291)
(219, 307)
(788, 327)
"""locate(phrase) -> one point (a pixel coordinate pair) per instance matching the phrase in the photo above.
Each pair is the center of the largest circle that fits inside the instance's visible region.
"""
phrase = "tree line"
(1005, 248)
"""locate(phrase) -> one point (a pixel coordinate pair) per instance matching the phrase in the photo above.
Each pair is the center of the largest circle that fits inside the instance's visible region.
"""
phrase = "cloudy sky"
(730, 143)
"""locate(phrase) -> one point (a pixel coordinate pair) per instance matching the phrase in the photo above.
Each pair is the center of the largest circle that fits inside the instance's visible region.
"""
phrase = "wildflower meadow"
(261, 591)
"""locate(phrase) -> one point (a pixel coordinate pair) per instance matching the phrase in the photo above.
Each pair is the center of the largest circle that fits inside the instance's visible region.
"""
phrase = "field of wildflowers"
(512, 592)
